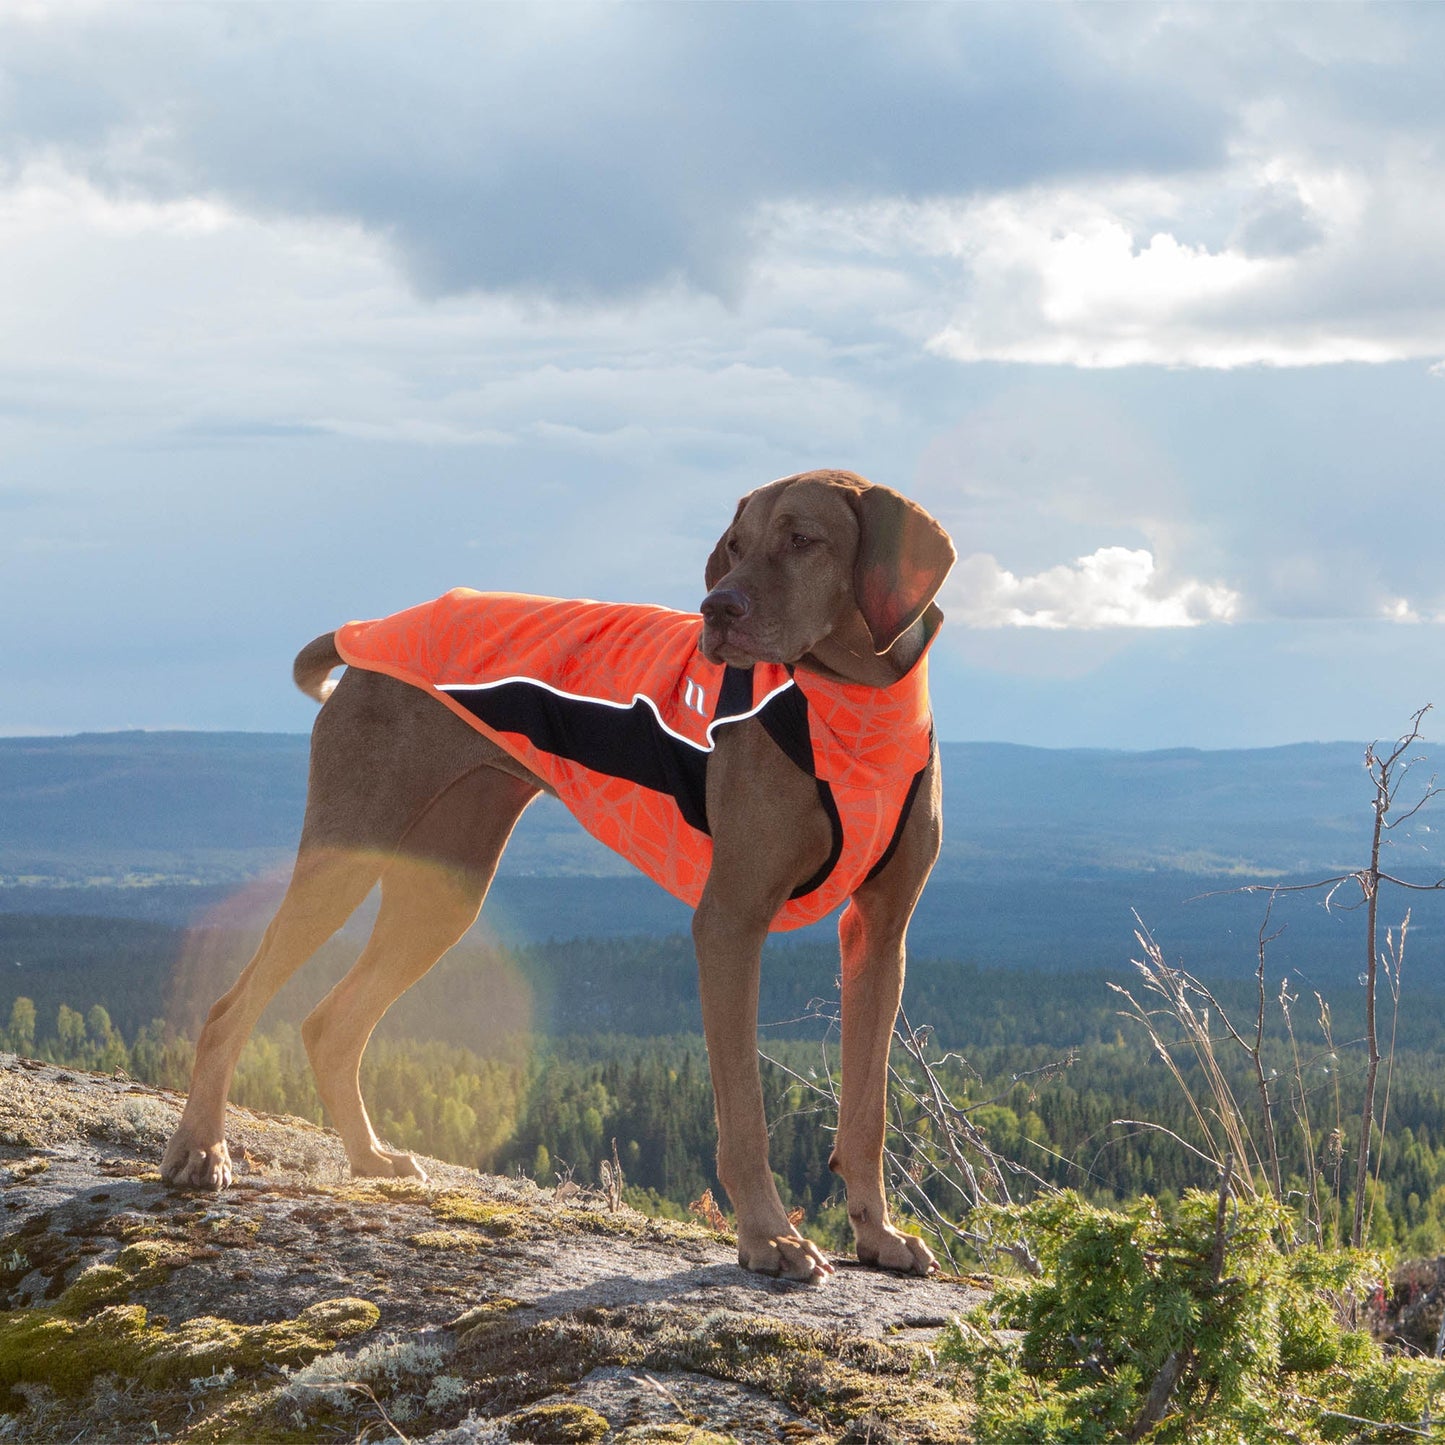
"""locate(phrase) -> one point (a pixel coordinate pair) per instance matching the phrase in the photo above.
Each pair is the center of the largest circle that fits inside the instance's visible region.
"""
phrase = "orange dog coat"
(617, 710)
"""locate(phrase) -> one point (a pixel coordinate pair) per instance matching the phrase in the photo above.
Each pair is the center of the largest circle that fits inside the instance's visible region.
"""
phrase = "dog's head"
(818, 555)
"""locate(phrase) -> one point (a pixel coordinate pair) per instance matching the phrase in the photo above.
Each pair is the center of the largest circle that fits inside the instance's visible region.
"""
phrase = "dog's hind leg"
(325, 889)
(431, 893)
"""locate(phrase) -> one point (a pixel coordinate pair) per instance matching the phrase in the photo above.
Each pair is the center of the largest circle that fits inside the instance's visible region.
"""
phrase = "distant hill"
(1045, 854)
(221, 807)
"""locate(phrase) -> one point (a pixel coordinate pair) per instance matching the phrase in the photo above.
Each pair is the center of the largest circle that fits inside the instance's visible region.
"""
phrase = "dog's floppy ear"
(717, 565)
(903, 557)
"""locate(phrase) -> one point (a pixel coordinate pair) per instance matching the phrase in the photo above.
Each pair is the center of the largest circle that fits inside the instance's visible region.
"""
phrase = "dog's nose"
(725, 605)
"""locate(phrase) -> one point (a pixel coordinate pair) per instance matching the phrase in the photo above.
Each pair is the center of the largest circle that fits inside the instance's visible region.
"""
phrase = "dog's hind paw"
(785, 1256)
(387, 1164)
(891, 1249)
(188, 1167)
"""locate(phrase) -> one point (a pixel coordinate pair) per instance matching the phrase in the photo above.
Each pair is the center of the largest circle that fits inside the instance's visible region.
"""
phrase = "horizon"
(317, 311)
(305, 733)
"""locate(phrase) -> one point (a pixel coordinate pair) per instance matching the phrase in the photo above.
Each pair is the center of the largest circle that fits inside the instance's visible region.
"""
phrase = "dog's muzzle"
(722, 610)
(725, 605)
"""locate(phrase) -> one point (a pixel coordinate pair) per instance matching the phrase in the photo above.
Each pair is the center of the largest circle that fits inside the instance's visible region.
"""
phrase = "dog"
(784, 763)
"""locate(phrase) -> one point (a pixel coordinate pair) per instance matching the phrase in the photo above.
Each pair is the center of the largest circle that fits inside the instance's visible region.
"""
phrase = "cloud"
(1399, 609)
(1277, 261)
(581, 150)
(1411, 613)
(199, 320)
(1089, 186)
(1113, 587)
(313, 310)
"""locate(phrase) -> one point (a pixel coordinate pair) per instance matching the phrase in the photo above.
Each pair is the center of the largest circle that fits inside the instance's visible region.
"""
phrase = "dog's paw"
(785, 1256)
(890, 1248)
(388, 1164)
(193, 1166)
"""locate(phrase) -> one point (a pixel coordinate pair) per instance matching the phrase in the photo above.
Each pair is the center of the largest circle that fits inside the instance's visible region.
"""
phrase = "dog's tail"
(313, 666)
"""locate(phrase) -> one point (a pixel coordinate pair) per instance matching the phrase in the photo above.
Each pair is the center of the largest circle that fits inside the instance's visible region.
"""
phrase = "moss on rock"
(85, 1335)
(828, 1378)
(466, 1240)
(677, 1434)
(137, 1266)
(500, 1221)
(408, 1191)
(18, 1169)
(560, 1424)
(482, 1316)
(45, 1347)
(207, 1345)
(626, 1224)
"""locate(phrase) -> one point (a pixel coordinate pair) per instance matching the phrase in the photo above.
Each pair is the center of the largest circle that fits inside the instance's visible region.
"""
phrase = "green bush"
(1191, 1328)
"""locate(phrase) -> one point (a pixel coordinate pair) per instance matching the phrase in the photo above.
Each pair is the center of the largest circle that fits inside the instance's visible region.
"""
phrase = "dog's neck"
(847, 655)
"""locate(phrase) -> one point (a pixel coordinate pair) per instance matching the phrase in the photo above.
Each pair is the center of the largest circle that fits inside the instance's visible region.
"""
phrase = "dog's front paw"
(387, 1164)
(187, 1165)
(889, 1248)
(786, 1256)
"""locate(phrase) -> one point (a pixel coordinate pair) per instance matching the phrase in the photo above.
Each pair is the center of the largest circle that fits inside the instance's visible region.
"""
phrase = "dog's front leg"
(872, 987)
(729, 946)
(872, 932)
(768, 835)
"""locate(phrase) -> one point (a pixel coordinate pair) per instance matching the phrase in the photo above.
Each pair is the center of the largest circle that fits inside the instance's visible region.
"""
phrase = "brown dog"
(821, 570)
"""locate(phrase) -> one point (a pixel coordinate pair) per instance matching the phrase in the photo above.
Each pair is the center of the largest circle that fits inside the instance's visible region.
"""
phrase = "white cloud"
(1112, 587)
(1084, 288)
(1299, 247)
(1276, 259)
(195, 316)
(1399, 609)
(1404, 610)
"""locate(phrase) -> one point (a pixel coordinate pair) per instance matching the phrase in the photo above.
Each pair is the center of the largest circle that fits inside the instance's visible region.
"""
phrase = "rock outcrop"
(304, 1305)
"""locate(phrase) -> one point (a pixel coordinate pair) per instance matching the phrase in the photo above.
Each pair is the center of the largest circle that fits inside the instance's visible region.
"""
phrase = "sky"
(310, 312)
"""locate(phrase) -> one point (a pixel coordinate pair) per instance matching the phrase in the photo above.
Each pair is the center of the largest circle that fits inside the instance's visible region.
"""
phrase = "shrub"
(1189, 1327)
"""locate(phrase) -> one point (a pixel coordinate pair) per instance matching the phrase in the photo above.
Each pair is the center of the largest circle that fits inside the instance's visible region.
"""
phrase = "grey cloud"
(1277, 223)
(587, 150)
(1328, 78)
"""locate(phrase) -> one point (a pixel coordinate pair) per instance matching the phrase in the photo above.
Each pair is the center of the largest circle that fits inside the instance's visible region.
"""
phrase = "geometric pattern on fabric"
(617, 710)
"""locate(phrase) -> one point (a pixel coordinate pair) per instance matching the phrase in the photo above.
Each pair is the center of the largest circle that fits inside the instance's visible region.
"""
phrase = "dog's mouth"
(722, 645)
(734, 645)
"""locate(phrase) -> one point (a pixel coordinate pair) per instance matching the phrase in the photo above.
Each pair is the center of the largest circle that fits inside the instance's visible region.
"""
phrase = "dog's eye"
(798, 542)
(732, 547)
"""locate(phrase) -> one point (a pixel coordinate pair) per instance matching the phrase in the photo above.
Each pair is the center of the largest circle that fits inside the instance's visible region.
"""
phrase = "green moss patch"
(468, 1241)
(90, 1331)
(42, 1346)
(628, 1225)
(137, 1266)
(500, 1221)
(826, 1377)
(671, 1435)
(822, 1375)
(558, 1425)
(378, 1388)
(408, 1191)
(207, 1346)
(516, 1363)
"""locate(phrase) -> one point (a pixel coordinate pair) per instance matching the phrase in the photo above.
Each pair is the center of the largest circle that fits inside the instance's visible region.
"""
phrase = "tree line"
(552, 1108)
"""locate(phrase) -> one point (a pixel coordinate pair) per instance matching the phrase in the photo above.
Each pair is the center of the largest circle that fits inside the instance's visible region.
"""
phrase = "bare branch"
(1413, 887)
